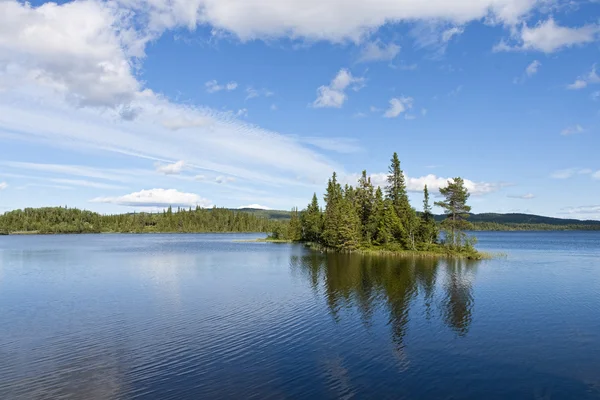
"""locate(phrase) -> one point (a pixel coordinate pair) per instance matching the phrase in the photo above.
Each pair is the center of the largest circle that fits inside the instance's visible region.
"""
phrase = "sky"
(135, 105)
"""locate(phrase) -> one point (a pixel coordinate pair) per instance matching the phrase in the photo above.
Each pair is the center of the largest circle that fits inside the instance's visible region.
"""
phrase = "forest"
(368, 218)
(72, 220)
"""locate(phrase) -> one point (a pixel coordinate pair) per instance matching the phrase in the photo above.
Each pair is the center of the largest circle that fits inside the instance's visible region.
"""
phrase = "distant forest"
(72, 220)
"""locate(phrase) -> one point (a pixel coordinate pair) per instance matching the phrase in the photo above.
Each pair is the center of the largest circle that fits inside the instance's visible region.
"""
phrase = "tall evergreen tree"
(331, 219)
(349, 223)
(396, 188)
(365, 198)
(457, 211)
(295, 228)
(429, 230)
(312, 221)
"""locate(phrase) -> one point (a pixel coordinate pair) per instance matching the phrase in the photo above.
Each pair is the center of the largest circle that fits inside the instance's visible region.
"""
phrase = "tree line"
(365, 217)
(73, 220)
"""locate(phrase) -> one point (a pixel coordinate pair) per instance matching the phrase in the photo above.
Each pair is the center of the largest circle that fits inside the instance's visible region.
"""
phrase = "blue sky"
(126, 105)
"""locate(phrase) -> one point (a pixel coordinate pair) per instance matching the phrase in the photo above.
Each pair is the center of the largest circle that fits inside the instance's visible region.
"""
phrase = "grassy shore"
(436, 251)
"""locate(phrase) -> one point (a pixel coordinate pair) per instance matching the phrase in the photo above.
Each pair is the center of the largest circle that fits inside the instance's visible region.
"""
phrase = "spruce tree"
(312, 222)
(457, 211)
(365, 199)
(429, 230)
(295, 228)
(349, 223)
(331, 219)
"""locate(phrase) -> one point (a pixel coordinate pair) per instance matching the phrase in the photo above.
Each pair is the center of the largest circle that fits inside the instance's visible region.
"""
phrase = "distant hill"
(484, 221)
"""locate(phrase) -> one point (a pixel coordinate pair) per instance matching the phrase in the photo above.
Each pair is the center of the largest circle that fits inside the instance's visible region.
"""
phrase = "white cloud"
(572, 130)
(435, 35)
(242, 112)
(433, 182)
(252, 93)
(213, 86)
(549, 37)
(570, 172)
(583, 81)
(334, 95)
(74, 170)
(200, 177)
(596, 175)
(340, 145)
(533, 68)
(183, 122)
(171, 169)
(156, 198)
(81, 49)
(398, 105)
(527, 196)
(255, 206)
(583, 210)
(3, 185)
(378, 51)
(84, 183)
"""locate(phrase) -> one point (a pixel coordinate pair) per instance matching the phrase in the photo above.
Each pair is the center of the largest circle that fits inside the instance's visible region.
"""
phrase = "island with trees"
(369, 219)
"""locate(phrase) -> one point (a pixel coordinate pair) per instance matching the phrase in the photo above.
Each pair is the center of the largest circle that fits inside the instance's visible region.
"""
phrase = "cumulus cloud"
(398, 105)
(527, 196)
(583, 81)
(549, 37)
(3, 185)
(83, 50)
(213, 86)
(328, 20)
(255, 206)
(156, 198)
(378, 51)
(171, 169)
(572, 130)
(433, 182)
(334, 95)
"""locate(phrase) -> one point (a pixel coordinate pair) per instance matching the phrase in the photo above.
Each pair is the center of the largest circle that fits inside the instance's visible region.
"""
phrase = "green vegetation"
(363, 219)
(72, 220)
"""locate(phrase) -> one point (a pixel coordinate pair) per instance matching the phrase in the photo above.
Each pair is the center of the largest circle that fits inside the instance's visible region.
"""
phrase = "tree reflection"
(366, 282)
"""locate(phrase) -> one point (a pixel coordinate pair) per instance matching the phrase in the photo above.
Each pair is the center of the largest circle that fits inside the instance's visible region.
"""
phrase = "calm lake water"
(206, 317)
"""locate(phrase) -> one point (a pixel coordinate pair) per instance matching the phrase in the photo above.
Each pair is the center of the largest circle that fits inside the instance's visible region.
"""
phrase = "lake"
(210, 317)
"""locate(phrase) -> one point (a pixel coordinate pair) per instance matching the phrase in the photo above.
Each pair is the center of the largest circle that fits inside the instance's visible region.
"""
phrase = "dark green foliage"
(312, 222)
(295, 227)
(428, 231)
(72, 220)
(457, 211)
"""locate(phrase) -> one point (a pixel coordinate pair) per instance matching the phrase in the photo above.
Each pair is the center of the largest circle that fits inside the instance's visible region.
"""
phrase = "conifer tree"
(457, 211)
(331, 219)
(349, 223)
(365, 202)
(429, 230)
(312, 222)
(295, 228)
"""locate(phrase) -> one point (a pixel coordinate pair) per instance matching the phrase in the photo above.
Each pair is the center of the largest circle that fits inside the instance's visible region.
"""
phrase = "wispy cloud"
(570, 172)
(572, 130)
(527, 196)
(378, 51)
(583, 81)
(252, 93)
(3, 185)
(213, 86)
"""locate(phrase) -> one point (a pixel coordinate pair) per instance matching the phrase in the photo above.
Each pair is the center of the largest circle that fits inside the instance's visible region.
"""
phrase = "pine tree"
(429, 230)
(456, 210)
(349, 223)
(295, 228)
(396, 188)
(312, 222)
(331, 219)
(364, 204)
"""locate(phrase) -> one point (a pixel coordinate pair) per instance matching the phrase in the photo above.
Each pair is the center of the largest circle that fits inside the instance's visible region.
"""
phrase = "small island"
(365, 219)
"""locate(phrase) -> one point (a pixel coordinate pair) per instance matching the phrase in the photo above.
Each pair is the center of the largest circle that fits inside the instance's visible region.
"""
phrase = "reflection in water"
(365, 282)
